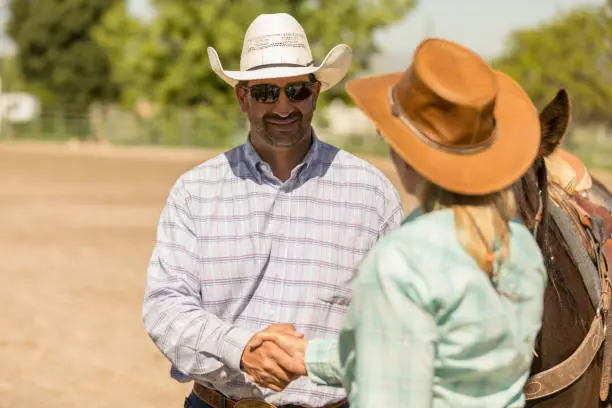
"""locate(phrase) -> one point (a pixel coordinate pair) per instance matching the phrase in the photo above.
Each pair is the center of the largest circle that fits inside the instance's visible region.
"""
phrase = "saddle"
(568, 171)
(587, 228)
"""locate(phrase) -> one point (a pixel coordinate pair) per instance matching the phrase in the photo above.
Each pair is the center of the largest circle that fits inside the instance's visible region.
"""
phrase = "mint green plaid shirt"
(426, 328)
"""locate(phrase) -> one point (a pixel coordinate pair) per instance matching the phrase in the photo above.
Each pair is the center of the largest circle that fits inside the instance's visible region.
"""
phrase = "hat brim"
(332, 70)
(505, 161)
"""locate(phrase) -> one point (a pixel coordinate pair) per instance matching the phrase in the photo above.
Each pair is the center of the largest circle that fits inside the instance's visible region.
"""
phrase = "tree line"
(84, 51)
(79, 52)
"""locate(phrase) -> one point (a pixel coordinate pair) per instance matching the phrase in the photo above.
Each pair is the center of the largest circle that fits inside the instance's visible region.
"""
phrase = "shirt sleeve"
(323, 362)
(198, 343)
(385, 354)
(393, 213)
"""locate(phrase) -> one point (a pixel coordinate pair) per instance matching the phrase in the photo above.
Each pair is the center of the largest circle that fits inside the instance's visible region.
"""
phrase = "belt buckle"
(253, 403)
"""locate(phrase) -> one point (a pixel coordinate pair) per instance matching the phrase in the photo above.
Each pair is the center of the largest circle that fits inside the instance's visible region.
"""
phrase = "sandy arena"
(77, 226)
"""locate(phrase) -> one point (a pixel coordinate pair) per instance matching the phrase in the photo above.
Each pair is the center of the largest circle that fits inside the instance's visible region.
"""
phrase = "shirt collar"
(417, 212)
(259, 165)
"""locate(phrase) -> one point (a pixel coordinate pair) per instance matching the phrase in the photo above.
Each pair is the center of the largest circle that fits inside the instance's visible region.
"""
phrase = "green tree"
(12, 79)
(573, 51)
(119, 35)
(167, 58)
(57, 52)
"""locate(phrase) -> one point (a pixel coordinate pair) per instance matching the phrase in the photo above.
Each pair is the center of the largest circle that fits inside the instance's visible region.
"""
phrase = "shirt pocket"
(232, 264)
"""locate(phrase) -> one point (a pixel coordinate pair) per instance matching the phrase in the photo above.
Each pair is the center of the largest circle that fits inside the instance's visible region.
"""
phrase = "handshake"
(275, 356)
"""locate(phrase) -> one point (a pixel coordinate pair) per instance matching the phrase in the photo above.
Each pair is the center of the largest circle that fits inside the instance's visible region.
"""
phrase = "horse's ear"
(554, 122)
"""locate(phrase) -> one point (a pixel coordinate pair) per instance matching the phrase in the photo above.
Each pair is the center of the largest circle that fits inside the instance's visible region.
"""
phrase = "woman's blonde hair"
(481, 222)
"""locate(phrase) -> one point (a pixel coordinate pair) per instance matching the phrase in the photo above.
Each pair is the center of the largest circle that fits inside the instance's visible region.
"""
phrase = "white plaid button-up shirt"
(238, 249)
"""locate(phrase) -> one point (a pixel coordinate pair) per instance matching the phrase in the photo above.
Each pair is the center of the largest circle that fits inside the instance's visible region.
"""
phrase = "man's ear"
(242, 96)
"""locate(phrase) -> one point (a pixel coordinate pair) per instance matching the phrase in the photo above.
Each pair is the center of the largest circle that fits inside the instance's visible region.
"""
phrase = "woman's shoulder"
(427, 231)
(429, 241)
(416, 233)
(418, 222)
(436, 230)
(411, 255)
(418, 255)
(426, 244)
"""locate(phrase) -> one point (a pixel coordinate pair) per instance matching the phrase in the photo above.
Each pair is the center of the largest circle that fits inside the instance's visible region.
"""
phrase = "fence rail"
(119, 126)
(205, 128)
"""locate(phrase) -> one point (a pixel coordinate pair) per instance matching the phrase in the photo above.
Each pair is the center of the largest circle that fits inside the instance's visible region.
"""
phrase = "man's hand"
(292, 345)
(268, 365)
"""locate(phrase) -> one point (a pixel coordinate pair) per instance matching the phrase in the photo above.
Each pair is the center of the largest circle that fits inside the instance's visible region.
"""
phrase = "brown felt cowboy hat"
(459, 123)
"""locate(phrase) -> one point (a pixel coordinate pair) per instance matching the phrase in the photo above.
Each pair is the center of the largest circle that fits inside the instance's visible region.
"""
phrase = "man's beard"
(280, 139)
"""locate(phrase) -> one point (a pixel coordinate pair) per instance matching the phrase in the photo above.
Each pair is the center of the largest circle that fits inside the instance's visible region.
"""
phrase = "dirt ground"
(77, 226)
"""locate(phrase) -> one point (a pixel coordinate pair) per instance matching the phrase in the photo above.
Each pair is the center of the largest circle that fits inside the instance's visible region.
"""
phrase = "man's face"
(279, 116)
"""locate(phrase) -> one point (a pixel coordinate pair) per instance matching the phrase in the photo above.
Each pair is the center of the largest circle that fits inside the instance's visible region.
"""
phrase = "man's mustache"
(292, 116)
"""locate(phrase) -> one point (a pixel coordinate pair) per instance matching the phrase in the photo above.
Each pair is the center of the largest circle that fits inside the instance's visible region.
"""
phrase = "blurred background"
(104, 103)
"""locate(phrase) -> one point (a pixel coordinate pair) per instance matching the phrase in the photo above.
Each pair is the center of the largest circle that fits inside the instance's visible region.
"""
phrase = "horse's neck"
(567, 305)
(568, 308)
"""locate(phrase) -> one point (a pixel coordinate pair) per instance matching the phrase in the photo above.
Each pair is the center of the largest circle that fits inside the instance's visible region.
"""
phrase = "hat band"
(398, 112)
(285, 65)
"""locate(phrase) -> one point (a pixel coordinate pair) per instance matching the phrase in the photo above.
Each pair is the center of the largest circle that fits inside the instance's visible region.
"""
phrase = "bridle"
(537, 220)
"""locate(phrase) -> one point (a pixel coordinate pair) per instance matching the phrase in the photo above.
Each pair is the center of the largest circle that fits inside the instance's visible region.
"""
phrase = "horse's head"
(531, 190)
(563, 168)
(568, 310)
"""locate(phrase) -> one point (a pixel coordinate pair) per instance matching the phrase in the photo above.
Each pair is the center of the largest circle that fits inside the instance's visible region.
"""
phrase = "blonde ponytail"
(481, 222)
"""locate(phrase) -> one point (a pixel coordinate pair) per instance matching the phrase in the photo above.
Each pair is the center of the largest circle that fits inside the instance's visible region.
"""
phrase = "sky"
(482, 25)
(6, 46)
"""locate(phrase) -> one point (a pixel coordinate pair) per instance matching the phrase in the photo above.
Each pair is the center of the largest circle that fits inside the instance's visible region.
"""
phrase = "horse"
(571, 313)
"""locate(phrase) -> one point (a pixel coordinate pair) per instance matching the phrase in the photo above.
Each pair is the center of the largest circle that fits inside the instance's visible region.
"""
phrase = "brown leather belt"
(217, 400)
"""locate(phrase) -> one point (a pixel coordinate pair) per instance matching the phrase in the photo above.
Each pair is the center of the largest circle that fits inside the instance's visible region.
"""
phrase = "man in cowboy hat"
(266, 236)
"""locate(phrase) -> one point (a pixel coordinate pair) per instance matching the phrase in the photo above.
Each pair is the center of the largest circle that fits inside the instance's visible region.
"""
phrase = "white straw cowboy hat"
(276, 46)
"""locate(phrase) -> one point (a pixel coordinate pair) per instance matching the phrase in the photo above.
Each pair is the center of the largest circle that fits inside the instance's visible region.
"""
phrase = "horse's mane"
(531, 192)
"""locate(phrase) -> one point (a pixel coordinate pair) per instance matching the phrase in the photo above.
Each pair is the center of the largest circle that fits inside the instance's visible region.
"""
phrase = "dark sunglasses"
(269, 93)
